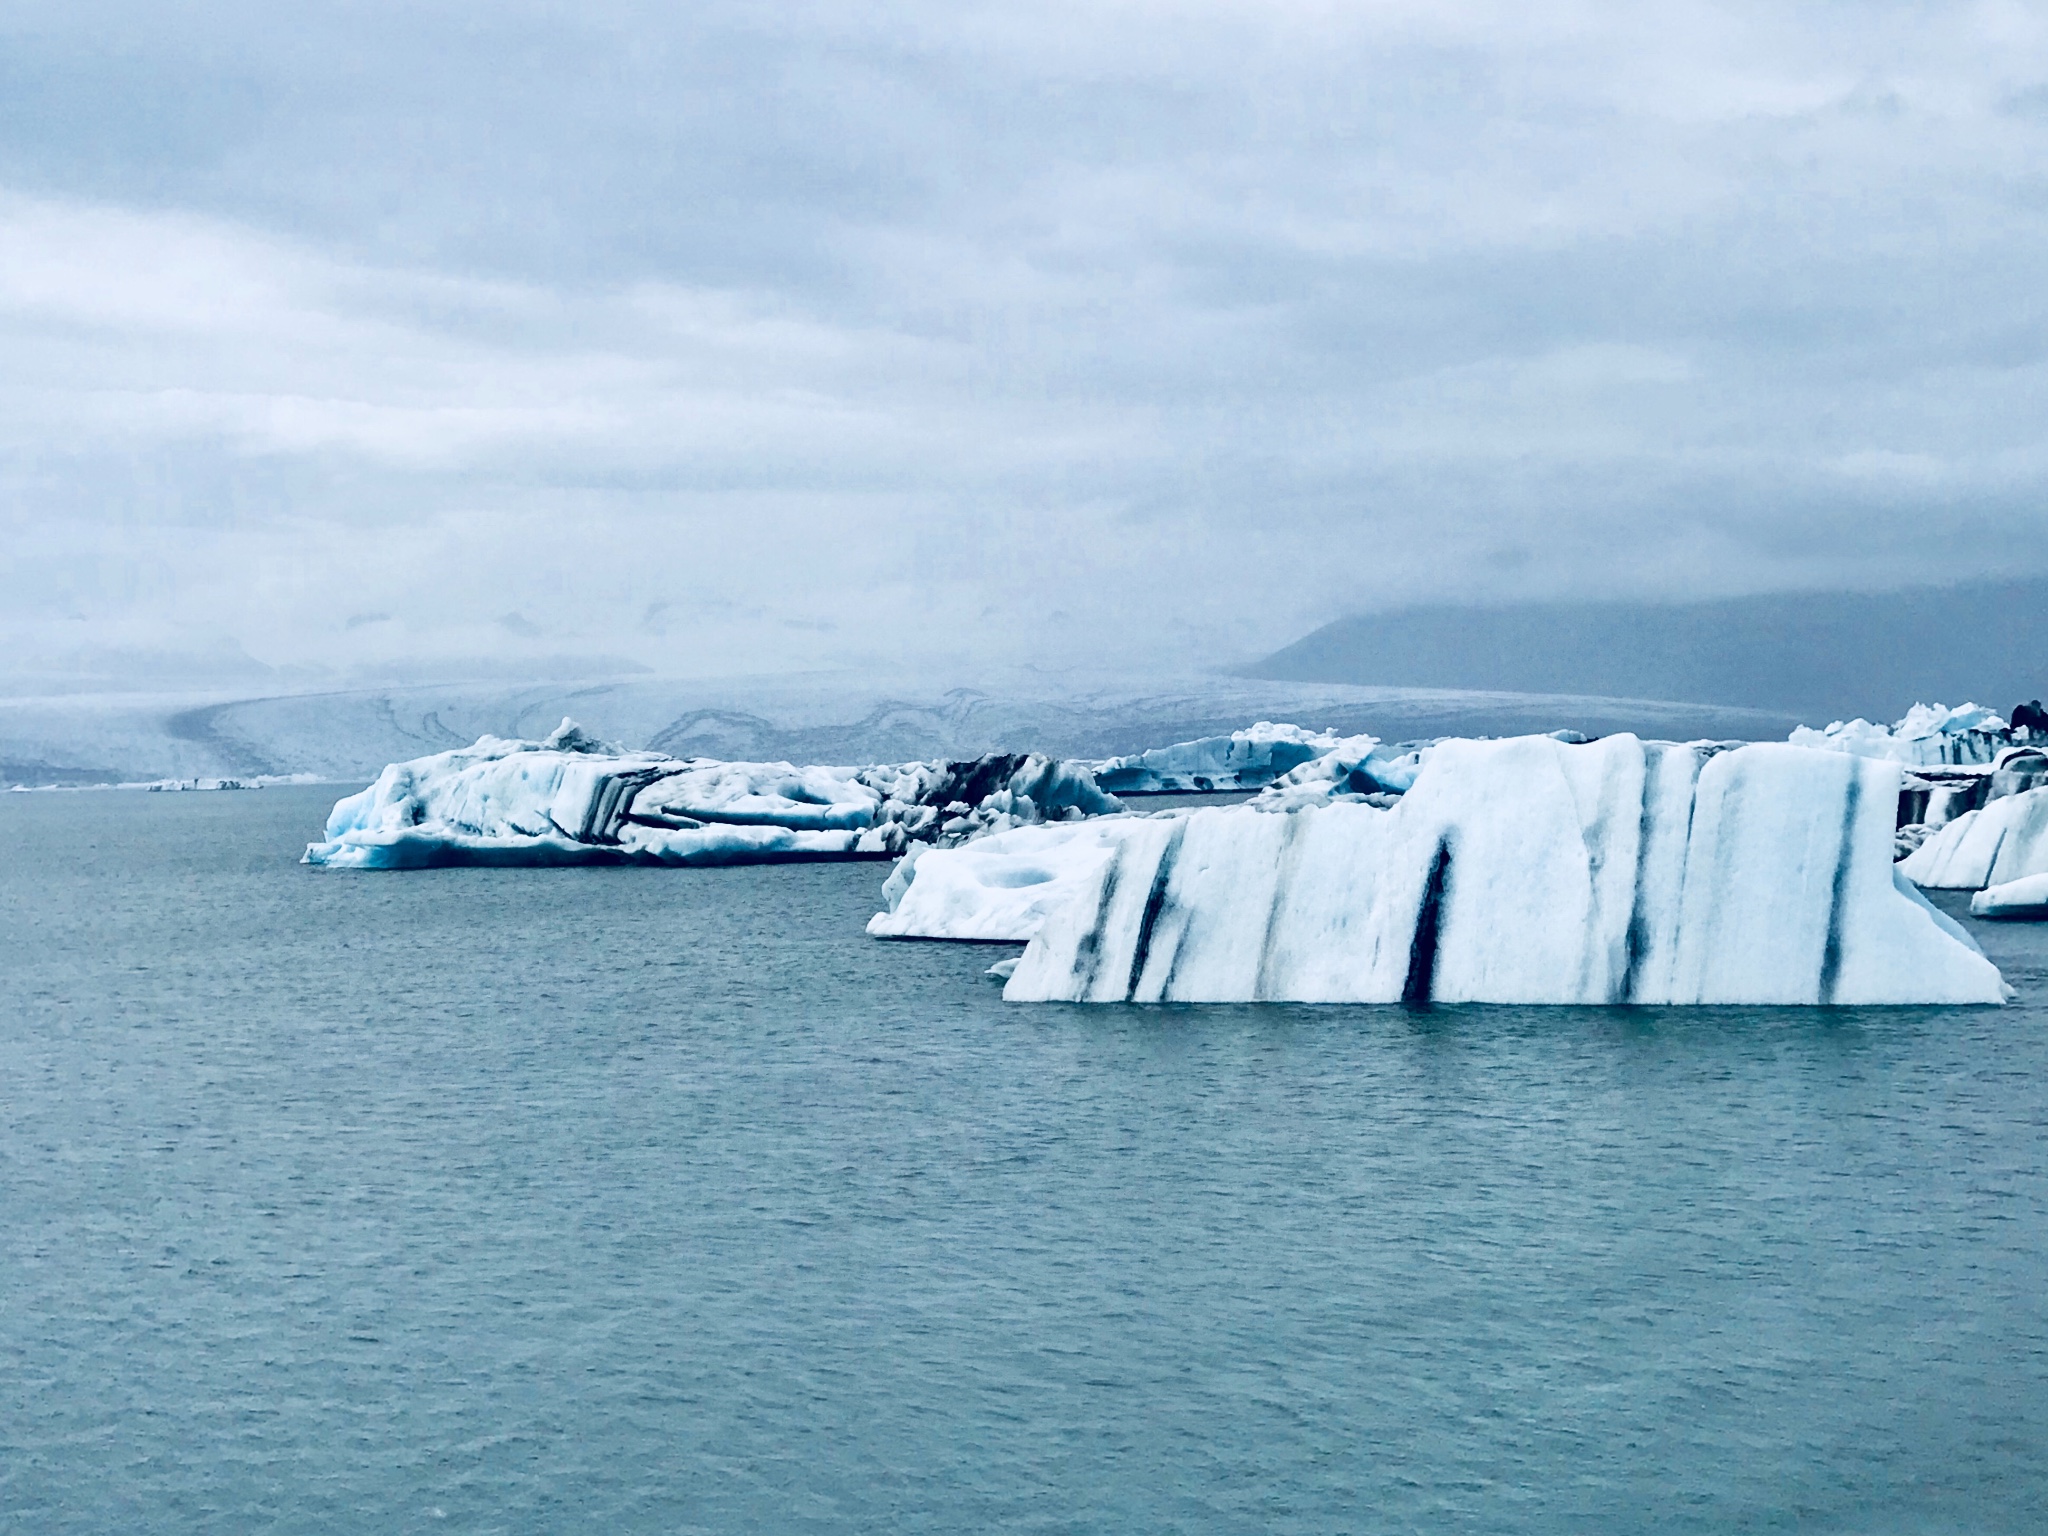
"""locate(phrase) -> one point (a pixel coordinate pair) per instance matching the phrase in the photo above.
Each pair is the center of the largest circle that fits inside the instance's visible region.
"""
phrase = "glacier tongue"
(1526, 871)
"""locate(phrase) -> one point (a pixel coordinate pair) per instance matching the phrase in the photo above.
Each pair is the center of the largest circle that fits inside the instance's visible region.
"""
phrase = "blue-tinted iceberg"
(1248, 759)
(2005, 840)
(1526, 871)
(1004, 887)
(1930, 799)
(571, 799)
(1930, 735)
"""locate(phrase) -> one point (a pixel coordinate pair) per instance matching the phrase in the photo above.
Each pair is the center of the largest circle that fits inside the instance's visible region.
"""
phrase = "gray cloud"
(922, 334)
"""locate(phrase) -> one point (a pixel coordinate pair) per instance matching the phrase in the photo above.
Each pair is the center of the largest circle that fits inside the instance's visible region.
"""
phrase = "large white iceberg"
(1248, 759)
(1930, 735)
(571, 799)
(996, 888)
(1526, 871)
(2004, 840)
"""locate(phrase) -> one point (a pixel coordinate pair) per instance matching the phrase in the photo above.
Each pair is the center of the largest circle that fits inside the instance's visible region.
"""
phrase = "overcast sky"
(736, 336)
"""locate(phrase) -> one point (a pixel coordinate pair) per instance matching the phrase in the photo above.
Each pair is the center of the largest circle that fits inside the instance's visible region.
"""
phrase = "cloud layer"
(907, 335)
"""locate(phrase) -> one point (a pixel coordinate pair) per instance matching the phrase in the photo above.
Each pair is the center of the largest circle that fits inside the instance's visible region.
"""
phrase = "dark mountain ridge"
(1819, 655)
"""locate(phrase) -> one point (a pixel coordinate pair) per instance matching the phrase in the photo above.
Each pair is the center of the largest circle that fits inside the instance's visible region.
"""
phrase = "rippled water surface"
(642, 1200)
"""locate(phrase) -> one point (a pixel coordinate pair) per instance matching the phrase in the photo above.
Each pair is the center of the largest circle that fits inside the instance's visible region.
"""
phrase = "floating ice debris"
(1930, 734)
(1527, 871)
(1248, 759)
(571, 799)
(995, 888)
(2024, 900)
(2005, 840)
(174, 786)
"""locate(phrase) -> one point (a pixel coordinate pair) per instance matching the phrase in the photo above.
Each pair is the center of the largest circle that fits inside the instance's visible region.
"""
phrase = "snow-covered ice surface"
(1527, 871)
(1000, 887)
(2002, 841)
(2024, 899)
(573, 799)
(1929, 735)
(1248, 759)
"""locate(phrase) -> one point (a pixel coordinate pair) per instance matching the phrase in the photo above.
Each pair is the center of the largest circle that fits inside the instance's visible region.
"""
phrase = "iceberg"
(2004, 840)
(2017, 770)
(1003, 887)
(1248, 759)
(1930, 735)
(1528, 870)
(2024, 900)
(1355, 767)
(572, 799)
(1931, 799)
(999, 888)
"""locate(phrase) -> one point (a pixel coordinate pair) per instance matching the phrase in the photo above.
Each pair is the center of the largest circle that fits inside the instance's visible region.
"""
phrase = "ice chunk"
(1933, 797)
(1354, 767)
(1526, 871)
(995, 888)
(571, 799)
(497, 801)
(2007, 839)
(1248, 759)
(1930, 734)
(2017, 770)
(2024, 899)
(759, 795)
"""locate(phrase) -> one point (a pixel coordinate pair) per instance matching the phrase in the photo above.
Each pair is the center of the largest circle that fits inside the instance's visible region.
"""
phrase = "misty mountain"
(1819, 655)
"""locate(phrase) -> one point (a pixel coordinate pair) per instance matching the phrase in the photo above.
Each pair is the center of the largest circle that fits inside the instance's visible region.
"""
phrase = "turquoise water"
(628, 1200)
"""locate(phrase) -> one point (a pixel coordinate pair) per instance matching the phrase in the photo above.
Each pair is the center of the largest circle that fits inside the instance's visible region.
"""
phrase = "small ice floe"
(2023, 900)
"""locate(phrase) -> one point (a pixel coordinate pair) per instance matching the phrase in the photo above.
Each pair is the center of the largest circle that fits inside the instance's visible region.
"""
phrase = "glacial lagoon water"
(643, 1200)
